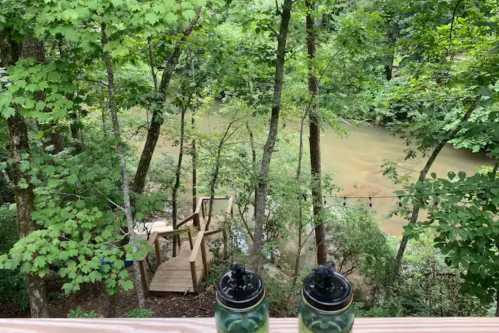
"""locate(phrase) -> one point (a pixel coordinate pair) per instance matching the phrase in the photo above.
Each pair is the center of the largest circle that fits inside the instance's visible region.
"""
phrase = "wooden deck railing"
(281, 325)
(198, 219)
(154, 242)
(200, 242)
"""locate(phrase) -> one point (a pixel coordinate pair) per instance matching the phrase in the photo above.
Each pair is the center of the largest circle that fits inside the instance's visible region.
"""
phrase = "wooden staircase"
(184, 272)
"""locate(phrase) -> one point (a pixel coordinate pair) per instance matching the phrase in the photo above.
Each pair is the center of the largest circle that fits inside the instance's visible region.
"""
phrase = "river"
(353, 160)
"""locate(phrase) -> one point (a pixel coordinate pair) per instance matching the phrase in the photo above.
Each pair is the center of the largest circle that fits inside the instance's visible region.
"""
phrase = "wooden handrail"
(203, 199)
(202, 233)
(186, 220)
(199, 205)
(212, 232)
(153, 240)
(230, 205)
(197, 245)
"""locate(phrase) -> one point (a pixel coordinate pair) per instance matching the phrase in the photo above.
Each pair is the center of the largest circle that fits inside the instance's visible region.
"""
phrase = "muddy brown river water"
(354, 160)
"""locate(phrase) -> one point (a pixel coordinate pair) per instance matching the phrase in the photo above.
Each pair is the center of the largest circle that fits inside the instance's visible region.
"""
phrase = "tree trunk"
(157, 114)
(113, 301)
(194, 156)
(112, 108)
(56, 139)
(315, 137)
(417, 205)
(103, 112)
(75, 127)
(390, 56)
(178, 173)
(214, 179)
(262, 186)
(493, 173)
(422, 177)
(300, 203)
(156, 122)
(33, 48)
(19, 148)
(152, 64)
(253, 162)
(389, 67)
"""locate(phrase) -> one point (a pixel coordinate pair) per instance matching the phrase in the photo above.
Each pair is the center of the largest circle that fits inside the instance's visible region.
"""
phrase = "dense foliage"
(202, 90)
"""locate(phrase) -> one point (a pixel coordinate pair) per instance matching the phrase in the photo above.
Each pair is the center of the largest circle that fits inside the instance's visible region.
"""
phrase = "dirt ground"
(93, 298)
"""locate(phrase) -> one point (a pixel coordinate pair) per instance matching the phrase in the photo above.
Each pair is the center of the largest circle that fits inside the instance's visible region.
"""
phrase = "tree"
(262, 185)
(464, 218)
(178, 172)
(429, 119)
(301, 222)
(20, 154)
(153, 132)
(20, 161)
(422, 177)
(120, 148)
(315, 136)
(228, 132)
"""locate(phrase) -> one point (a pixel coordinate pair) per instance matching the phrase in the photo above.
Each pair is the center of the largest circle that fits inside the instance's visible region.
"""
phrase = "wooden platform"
(184, 272)
(281, 325)
(174, 275)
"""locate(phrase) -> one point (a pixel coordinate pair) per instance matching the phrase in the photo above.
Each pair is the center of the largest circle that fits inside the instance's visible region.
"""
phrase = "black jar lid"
(240, 288)
(327, 290)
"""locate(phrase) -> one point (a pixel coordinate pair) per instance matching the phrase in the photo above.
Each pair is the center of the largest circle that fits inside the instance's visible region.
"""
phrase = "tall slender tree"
(154, 130)
(178, 173)
(315, 135)
(268, 149)
(20, 154)
(194, 158)
(120, 148)
(422, 177)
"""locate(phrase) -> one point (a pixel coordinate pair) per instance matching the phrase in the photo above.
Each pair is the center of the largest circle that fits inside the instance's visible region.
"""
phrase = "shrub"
(426, 287)
(12, 282)
(140, 313)
(79, 313)
(282, 295)
(360, 246)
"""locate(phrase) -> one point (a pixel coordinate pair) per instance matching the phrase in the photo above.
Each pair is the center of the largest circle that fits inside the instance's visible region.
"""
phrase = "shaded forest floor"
(93, 298)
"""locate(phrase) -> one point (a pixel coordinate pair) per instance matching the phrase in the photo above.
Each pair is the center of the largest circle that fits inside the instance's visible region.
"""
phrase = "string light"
(399, 197)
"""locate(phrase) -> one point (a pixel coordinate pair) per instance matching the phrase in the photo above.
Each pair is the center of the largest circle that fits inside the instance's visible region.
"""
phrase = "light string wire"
(459, 187)
(418, 194)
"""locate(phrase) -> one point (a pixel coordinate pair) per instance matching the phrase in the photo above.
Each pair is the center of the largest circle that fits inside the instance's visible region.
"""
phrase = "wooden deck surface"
(185, 272)
(174, 275)
(207, 325)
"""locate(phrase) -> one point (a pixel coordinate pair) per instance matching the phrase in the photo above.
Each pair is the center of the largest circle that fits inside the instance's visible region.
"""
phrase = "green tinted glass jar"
(241, 305)
(326, 302)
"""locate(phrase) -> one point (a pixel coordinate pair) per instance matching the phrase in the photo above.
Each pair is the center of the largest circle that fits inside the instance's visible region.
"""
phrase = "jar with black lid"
(326, 302)
(241, 305)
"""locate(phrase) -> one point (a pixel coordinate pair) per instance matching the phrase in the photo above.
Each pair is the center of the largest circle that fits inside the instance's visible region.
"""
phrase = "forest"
(363, 132)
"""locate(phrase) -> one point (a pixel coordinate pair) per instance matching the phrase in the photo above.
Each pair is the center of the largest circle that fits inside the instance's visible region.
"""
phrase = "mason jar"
(241, 306)
(326, 302)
